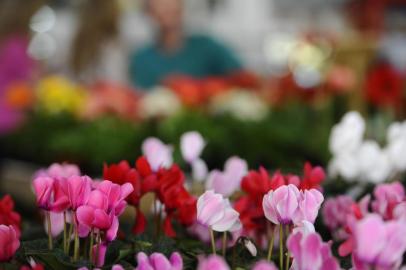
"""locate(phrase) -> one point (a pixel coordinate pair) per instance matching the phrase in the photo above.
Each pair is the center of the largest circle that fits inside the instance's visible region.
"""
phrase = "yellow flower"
(57, 94)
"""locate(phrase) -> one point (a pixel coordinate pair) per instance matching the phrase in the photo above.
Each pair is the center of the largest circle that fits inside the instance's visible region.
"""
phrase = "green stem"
(76, 245)
(69, 238)
(213, 244)
(287, 251)
(91, 246)
(98, 241)
(64, 233)
(234, 255)
(272, 238)
(50, 244)
(281, 246)
(224, 244)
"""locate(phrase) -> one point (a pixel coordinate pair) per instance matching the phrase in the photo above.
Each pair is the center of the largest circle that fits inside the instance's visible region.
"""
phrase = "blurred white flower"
(159, 102)
(347, 135)
(199, 170)
(241, 104)
(157, 153)
(396, 147)
(364, 160)
(345, 165)
(373, 162)
(191, 146)
(228, 181)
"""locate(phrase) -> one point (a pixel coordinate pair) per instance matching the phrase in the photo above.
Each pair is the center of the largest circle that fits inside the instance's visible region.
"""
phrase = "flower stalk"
(213, 244)
(224, 244)
(281, 246)
(271, 242)
(50, 243)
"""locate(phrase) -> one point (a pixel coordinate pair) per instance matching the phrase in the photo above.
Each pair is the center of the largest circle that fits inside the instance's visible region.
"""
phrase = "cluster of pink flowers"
(93, 207)
(372, 229)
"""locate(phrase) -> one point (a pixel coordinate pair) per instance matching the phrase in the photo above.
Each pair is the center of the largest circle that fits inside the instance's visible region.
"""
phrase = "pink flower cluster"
(371, 229)
(93, 205)
(287, 205)
(216, 213)
(310, 252)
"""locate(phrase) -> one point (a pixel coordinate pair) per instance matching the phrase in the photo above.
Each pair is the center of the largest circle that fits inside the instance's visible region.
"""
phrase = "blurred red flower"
(8, 216)
(383, 86)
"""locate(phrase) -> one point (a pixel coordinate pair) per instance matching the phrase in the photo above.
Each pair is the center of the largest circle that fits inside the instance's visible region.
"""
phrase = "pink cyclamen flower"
(59, 171)
(378, 244)
(9, 242)
(212, 262)
(309, 252)
(103, 206)
(158, 261)
(309, 205)
(281, 205)
(264, 265)
(78, 190)
(216, 212)
(387, 196)
(157, 153)
(49, 193)
(228, 181)
(191, 146)
(336, 210)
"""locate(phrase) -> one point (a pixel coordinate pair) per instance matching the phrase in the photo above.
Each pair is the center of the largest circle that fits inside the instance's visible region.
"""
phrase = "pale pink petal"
(369, 237)
(227, 221)
(191, 146)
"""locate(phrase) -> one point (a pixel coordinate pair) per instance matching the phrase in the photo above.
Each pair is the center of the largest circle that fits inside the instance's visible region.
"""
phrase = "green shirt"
(199, 57)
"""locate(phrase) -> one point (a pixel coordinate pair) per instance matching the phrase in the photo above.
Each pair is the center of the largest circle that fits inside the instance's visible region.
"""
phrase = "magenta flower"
(157, 153)
(50, 195)
(309, 252)
(378, 244)
(44, 188)
(212, 262)
(158, 261)
(387, 196)
(215, 212)
(191, 146)
(78, 190)
(59, 171)
(399, 212)
(102, 209)
(228, 181)
(336, 210)
(264, 265)
(9, 242)
(281, 205)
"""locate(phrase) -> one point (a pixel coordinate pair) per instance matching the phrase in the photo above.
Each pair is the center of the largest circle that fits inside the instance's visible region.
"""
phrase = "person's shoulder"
(201, 39)
(143, 52)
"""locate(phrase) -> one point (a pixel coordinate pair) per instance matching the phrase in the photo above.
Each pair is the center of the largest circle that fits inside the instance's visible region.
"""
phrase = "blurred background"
(86, 81)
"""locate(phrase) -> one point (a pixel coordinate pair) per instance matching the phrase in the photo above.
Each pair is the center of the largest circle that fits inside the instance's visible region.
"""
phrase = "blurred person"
(175, 52)
(97, 51)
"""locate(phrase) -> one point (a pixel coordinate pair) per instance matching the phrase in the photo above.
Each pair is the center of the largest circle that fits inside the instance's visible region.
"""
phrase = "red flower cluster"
(8, 216)
(195, 92)
(168, 186)
(383, 86)
(257, 183)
